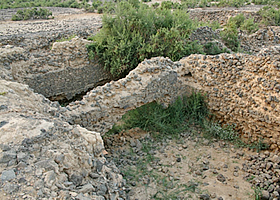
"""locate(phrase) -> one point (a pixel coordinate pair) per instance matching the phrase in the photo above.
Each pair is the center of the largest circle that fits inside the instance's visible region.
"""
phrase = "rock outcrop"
(42, 156)
(29, 54)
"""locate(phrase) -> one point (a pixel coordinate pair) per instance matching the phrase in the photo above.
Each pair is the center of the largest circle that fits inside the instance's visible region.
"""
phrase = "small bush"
(170, 5)
(238, 20)
(215, 25)
(250, 26)
(230, 36)
(137, 32)
(107, 7)
(155, 5)
(270, 16)
(215, 130)
(267, 2)
(189, 3)
(232, 3)
(33, 13)
(213, 49)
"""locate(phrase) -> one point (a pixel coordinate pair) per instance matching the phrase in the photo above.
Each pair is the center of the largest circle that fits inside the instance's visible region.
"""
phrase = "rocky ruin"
(53, 151)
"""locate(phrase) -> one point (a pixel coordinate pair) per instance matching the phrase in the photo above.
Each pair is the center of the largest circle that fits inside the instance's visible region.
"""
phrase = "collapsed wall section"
(242, 90)
(153, 80)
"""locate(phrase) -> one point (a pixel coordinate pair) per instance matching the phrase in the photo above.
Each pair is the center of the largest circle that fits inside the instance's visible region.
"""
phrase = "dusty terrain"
(213, 168)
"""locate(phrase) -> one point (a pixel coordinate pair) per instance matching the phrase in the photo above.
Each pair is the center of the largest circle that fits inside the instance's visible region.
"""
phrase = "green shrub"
(96, 4)
(4, 4)
(33, 13)
(137, 32)
(167, 5)
(214, 25)
(247, 25)
(238, 20)
(107, 7)
(270, 16)
(189, 3)
(232, 3)
(230, 36)
(155, 5)
(250, 26)
(215, 130)
(267, 2)
(212, 48)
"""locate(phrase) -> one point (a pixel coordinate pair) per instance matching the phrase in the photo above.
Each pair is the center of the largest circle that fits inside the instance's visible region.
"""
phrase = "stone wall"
(222, 15)
(242, 90)
(59, 73)
(263, 38)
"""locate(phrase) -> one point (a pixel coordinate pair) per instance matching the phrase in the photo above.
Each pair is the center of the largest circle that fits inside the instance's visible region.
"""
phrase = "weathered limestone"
(42, 156)
(242, 90)
(59, 74)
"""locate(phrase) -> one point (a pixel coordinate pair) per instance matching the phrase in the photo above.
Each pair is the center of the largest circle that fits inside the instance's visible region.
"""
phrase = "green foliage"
(195, 3)
(238, 20)
(259, 145)
(212, 48)
(232, 3)
(170, 5)
(3, 93)
(96, 4)
(270, 16)
(155, 5)
(258, 193)
(230, 36)
(215, 130)
(267, 2)
(214, 25)
(154, 117)
(33, 13)
(250, 26)
(137, 31)
(107, 7)
(247, 25)
(4, 4)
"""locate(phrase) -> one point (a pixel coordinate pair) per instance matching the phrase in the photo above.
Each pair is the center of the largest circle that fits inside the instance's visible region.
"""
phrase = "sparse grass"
(165, 124)
(3, 93)
(171, 121)
(258, 193)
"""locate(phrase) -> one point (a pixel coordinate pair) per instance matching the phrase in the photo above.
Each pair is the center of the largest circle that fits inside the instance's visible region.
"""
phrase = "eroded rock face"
(42, 156)
(59, 73)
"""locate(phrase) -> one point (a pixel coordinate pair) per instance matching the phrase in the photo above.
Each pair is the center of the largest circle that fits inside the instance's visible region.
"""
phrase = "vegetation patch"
(33, 13)
(187, 117)
(270, 16)
(4, 4)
